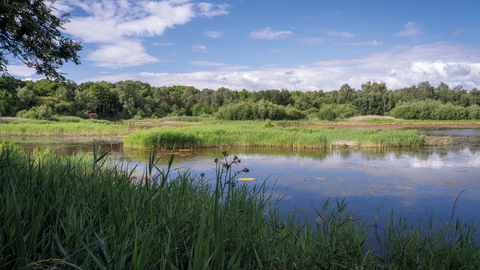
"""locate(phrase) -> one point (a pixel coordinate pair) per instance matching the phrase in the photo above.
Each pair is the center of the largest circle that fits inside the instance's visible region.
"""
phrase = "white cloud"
(210, 10)
(457, 70)
(275, 51)
(341, 34)
(213, 34)
(162, 44)
(122, 54)
(207, 64)
(200, 48)
(59, 9)
(411, 29)
(112, 24)
(112, 78)
(398, 67)
(268, 33)
(372, 43)
(312, 40)
(457, 32)
(22, 70)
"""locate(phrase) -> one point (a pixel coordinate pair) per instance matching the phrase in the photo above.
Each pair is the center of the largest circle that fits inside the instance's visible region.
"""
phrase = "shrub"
(430, 109)
(333, 111)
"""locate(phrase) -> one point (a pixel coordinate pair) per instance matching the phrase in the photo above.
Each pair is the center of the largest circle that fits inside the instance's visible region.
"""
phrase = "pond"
(417, 183)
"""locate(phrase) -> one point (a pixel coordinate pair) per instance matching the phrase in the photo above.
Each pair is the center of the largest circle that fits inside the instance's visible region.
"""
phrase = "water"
(416, 183)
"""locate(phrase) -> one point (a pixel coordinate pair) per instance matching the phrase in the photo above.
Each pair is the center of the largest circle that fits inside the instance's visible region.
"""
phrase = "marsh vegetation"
(254, 135)
(83, 212)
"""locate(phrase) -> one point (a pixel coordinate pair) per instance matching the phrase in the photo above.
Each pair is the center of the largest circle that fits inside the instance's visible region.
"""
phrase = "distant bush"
(333, 111)
(434, 110)
(258, 111)
(41, 112)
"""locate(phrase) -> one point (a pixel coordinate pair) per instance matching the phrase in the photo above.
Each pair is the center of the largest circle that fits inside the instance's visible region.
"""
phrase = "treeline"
(126, 99)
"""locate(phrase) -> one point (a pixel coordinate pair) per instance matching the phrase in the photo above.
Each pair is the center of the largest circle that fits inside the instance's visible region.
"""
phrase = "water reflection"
(415, 182)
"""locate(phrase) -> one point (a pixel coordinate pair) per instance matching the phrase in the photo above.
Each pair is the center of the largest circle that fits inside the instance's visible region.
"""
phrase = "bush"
(333, 111)
(258, 111)
(473, 112)
(434, 110)
(42, 112)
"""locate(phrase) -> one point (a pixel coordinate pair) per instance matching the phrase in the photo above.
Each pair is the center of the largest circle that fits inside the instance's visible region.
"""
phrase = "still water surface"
(416, 183)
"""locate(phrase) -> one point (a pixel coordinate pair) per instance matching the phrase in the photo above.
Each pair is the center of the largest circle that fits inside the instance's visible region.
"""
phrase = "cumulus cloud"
(398, 67)
(411, 29)
(112, 78)
(457, 32)
(341, 34)
(20, 70)
(372, 43)
(268, 33)
(209, 10)
(214, 34)
(121, 54)
(124, 22)
(457, 70)
(200, 48)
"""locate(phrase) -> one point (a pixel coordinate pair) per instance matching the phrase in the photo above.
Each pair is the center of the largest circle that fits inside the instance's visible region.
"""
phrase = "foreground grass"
(254, 135)
(79, 212)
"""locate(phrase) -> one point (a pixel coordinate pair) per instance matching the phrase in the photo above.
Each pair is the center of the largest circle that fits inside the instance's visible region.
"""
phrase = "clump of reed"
(174, 118)
(86, 213)
(62, 125)
(255, 135)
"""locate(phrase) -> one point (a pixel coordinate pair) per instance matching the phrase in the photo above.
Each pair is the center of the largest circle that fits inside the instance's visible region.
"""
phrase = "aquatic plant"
(254, 135)
(64, 126)
(86, 213)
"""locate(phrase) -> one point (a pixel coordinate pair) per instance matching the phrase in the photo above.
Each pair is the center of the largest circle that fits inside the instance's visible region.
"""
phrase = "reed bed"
(79, 212)
(254, 135)
(173, 118)
(44, 127)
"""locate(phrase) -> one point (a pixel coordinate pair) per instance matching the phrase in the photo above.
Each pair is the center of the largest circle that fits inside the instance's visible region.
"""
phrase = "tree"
(30, 32)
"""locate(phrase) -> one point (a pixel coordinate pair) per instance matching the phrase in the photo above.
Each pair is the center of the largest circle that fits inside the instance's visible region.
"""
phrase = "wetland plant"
(255, 135)
(85, 213)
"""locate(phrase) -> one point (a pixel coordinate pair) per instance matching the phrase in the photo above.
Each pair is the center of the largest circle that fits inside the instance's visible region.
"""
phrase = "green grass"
(251, 134)
(64, 126)
(80, 211)
(172, 118)
(426, 122)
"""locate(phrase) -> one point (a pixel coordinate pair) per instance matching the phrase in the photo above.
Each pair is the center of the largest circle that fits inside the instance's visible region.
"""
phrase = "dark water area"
(416, 183)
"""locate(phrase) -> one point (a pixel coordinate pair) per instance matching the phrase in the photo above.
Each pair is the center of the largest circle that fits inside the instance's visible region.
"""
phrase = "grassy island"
(255, 135)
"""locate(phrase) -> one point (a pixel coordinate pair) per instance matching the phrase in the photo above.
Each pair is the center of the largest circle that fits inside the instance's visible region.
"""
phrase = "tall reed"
(84, 212)
(252, 135)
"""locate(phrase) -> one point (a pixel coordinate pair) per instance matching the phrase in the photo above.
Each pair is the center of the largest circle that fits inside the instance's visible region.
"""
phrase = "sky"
(258, 45)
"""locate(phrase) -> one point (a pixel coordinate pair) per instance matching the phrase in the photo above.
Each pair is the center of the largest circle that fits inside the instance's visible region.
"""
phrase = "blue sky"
(258, 45)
